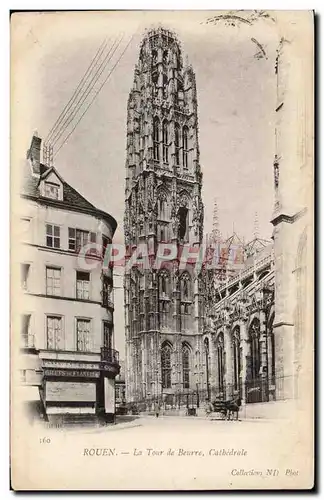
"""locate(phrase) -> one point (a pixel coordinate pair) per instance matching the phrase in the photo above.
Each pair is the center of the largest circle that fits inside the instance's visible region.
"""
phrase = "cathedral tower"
(163, 317)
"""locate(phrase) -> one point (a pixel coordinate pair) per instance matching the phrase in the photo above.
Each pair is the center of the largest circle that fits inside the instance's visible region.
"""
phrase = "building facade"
(244, 329)
(239, 338)
(64, 314)
(163, 310)
(293, 217)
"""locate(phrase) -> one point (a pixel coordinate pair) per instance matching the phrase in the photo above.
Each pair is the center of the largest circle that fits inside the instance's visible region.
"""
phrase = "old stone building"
(259, 319)
(293, 217)
(62, 315)
(239, 342)
(244, 328)
(163, 310)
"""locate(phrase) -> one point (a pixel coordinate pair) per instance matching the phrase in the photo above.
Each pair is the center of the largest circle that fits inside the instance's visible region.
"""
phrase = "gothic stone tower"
(163, 317)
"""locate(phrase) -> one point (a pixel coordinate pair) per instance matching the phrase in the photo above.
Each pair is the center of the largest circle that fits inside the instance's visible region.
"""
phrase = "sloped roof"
(234, 240)
(72, 199)
(256, 245)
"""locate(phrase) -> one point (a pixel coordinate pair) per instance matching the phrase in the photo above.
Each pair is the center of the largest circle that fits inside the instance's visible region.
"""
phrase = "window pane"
(49, 229)
(54, 332)
(83, 335)
(56, 242)
(83, 276)
(56, 231)
(49, 241)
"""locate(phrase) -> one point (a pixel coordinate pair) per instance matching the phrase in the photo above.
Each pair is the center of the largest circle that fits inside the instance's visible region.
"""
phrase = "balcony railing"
(109, 355)
(106, 301)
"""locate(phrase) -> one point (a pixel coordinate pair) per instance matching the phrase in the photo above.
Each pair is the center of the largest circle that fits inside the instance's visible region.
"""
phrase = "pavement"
(171, 422)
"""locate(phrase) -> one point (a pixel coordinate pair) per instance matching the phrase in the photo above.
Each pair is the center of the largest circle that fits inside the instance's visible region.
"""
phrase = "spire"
(256, 226)
(216, 232)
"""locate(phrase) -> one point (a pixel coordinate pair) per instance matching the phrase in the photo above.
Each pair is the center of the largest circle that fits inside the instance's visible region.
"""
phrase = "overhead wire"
(94, 80)
(77, 90)
(100, 88)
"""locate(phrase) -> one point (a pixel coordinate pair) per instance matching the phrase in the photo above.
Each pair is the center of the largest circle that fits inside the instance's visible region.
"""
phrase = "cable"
(77, 90)
(88, 89)
(123, 52)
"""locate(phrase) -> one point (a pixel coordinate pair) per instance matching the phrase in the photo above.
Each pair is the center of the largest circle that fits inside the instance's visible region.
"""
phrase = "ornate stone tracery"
(162, 180)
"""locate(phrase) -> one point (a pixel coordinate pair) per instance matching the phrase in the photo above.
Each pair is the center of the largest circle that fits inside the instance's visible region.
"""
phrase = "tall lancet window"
(185, 146)
(164, 300)
(177, 143)
(155, 79)
(220, 362)
(185, 302)
(185, 366)
(156, 139)
(154, 57)
(206, 349)
(236, 358)
(165, 140)
(166, 365)
(255, 349)
(165, 86)
(271, 353)
(165, 57)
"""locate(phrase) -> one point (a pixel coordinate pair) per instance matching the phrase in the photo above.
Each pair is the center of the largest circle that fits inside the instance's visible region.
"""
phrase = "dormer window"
(52, 190)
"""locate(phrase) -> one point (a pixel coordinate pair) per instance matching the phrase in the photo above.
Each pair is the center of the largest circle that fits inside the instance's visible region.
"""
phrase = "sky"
(236, 105)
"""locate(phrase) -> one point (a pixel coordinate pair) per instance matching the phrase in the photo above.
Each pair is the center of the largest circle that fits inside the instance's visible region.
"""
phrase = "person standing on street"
(157, 409)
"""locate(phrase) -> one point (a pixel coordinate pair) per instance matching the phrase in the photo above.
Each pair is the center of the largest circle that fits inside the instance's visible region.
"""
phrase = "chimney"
(33, 154)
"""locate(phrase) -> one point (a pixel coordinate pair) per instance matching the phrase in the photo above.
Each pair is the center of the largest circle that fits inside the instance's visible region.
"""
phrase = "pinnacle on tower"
(216, 235)
(256, 226)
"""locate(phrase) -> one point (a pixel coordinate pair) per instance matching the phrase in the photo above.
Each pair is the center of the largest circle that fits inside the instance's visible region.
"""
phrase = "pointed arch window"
(141, 310)
(271, 354)
(255, 351)
(220, 362)
(155, 79)
(237, 358)
(165, 140)
(156, 138)
(185, 146)
(166, 365)
(177, 143)
(206, 349)
(162, 232)
(165, 86)
(186, 352)
(165, 57)
(142, 138)
(185, 302)
(178, 62)
(162, 209)
(154, 57)
(183, 224)
(164, 299)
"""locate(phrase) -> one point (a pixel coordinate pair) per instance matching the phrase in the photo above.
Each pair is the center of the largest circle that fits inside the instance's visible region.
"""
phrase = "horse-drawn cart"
(227, 409)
